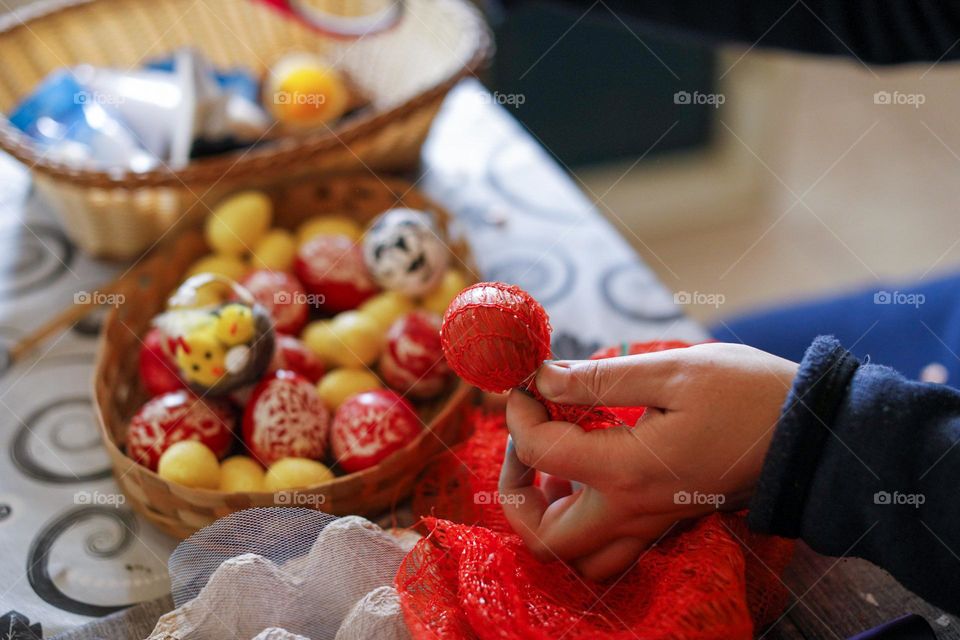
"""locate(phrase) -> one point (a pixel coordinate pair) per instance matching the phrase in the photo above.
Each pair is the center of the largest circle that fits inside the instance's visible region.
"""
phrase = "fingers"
(611, 560)
(648, 379)
(523, 503)
(561, 448)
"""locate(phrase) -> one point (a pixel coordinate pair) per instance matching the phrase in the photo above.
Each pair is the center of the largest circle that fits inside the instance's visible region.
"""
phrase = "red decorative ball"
(495, 335)
(291, 354)
(158, 371)
(413, 360)
(282, 296)
(175, 416)
(285, 418)
(371, 425)
(332, 266)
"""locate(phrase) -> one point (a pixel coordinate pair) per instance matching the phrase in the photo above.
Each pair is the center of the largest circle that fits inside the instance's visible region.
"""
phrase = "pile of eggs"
(338, 340)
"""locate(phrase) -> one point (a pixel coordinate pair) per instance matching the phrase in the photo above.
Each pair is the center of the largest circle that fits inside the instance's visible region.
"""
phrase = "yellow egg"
(241, 473)
(226, 266)
(386, 307)
(303, 91)
(319, 338)
(339, 384)
(329, 226)
(191, 464)
(290, 473)
(275, 251)
(358, 340)
(440, 298)
(238, 223)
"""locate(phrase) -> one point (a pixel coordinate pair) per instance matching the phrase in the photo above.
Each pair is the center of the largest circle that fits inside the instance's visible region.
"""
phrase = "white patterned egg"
(404, 252)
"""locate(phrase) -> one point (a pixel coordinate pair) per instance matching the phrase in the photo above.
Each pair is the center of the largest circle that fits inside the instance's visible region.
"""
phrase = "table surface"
(72, 554)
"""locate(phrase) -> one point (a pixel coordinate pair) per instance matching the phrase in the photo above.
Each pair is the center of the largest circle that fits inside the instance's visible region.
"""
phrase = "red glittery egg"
(371, 425)
(285, 418)
(495, 336)
(282, 296)
(175, 416)
(158, 371)
(291, 354)
(332, 266)
(413, 362)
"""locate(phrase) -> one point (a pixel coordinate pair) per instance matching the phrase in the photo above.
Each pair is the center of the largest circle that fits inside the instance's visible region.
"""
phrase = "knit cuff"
(802, 431)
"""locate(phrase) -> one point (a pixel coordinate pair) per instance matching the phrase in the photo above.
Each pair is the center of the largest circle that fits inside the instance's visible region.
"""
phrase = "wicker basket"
(405, 72)
(180, 510)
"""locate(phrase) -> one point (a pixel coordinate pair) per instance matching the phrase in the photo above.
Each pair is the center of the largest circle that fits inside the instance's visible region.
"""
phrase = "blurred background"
(790, 178)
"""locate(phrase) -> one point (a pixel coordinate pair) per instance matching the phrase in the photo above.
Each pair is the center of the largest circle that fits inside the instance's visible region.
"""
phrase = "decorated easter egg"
(285, 418)
(369, 426)
(293, 355)
(404, 252)
(158, 371)
(413, 360)
(177, 416)
(191, 464)
(302, 91)
(241, 474)
(332, 268)
(495, 336)
(221, 349)
(238, 223)
(282, 295)
(291, 473)
(340, 384)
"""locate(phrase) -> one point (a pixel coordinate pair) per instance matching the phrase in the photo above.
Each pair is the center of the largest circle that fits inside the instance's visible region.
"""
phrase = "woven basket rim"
(287, 149)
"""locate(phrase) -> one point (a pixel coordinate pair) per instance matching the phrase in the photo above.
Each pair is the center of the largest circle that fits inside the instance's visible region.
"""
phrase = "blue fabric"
(866, 463)
(916, 326)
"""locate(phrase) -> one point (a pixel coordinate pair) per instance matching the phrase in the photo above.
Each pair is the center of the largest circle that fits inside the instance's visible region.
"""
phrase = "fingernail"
(553, 379)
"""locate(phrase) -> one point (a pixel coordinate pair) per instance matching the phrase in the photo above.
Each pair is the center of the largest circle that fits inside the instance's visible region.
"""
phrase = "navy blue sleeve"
(886, 32)
(866, 463)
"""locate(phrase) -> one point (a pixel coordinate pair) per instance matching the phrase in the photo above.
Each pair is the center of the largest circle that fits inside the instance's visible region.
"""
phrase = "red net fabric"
(473, 578)
(495, 335)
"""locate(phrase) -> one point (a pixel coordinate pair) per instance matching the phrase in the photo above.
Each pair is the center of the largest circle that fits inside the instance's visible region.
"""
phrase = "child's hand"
(700, 446)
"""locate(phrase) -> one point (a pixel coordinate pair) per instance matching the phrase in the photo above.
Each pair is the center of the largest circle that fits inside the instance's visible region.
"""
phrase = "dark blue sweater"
(866, 463)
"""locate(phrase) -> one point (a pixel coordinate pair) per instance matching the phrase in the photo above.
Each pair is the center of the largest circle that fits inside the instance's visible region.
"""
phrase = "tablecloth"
(72, 550)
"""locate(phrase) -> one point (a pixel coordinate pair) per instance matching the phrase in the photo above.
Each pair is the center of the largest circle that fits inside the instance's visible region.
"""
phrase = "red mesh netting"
(473, 578)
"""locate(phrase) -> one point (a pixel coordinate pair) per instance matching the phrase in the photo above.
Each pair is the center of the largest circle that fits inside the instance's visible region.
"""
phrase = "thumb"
(649, 380)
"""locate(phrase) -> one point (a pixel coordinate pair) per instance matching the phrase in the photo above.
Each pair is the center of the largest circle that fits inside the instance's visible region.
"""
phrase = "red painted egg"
(282, 296)
(285, 418)
(291, 354)
(495, 336)
(158, 371)
(333, 267)
(175, 416)
(371, 425)
(413, 362)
